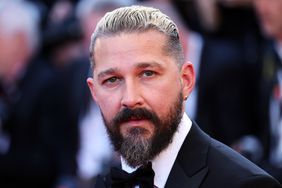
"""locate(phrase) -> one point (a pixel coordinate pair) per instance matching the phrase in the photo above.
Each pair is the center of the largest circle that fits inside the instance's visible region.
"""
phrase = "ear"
(90, 83)
(187, 79)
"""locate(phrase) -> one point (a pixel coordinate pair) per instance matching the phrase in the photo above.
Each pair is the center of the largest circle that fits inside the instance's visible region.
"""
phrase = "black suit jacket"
(29, 161)
(203, 162)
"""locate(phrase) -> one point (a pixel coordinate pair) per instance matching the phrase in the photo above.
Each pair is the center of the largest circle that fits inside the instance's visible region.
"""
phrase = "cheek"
(109, 105)
(163, 97)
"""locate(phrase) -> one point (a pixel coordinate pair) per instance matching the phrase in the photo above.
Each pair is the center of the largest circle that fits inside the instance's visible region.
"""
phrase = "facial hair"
(134, 147)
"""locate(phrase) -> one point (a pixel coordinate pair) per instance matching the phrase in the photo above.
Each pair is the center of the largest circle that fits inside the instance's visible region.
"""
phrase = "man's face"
(140, 92)
(270, 14)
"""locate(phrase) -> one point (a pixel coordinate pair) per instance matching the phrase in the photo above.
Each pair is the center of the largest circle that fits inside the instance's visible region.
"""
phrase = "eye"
(148, 73)
(111, 81)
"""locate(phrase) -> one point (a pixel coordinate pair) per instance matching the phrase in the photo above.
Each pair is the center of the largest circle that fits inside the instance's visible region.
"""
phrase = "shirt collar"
(162, 164)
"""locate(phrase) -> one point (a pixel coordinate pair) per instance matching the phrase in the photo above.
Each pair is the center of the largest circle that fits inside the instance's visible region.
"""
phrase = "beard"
(134, 147)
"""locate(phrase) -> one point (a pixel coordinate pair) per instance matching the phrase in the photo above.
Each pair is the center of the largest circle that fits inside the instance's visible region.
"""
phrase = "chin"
(137, 132)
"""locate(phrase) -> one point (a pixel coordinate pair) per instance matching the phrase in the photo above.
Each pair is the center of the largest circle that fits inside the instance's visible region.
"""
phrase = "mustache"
(128, 114)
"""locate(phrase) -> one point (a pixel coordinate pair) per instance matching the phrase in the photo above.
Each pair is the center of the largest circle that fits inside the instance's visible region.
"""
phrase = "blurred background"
(51, 131)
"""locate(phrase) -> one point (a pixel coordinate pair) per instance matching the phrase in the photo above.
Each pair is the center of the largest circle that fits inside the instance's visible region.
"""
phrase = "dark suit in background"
(29, 162)
(67, 101)
(227, 96)
(270, 100)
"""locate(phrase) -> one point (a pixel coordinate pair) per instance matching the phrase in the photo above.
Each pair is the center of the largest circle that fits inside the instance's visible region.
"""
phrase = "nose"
(131, 97)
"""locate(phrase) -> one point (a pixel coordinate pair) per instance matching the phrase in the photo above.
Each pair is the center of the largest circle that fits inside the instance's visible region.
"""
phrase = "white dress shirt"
(162, 164)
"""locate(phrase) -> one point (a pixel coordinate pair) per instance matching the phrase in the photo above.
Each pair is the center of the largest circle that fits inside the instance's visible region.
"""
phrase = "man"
(140, 83)
(269, 14)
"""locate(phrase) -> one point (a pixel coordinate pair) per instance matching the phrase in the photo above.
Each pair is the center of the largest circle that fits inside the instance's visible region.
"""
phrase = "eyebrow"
(150, 64)
(107, 72)
(141, 65)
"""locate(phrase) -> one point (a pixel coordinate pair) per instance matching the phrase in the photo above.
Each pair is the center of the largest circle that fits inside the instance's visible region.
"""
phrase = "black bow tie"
(143, 176)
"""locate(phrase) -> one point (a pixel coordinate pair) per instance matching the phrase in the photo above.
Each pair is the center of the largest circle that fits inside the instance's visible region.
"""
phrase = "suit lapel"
(178, 178)
(190, 167)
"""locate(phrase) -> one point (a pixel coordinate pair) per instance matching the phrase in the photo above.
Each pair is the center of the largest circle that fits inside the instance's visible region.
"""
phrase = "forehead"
(127, 48)
(131, 40)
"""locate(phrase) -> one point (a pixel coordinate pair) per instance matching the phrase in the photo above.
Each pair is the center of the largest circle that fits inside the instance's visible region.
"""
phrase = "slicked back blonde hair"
(137, 19)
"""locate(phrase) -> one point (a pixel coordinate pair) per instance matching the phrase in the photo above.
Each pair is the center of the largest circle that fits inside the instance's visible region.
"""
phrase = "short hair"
(138, 19)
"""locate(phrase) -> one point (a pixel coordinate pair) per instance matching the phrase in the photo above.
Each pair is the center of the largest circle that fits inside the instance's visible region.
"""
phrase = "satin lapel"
(178, 178)
(190, 167)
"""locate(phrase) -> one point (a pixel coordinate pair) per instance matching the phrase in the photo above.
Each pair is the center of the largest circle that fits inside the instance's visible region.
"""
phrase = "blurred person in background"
(37, 146)
(270, 14)
(62, 35)
(64, 101)
(25, 158)
(62, 47)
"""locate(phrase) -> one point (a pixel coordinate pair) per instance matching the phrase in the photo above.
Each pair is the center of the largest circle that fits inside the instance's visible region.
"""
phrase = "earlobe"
(188, 79)
(90, 83)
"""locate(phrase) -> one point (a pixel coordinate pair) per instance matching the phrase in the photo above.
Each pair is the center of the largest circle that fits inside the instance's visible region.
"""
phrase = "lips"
(134, 118)
(135, 121)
